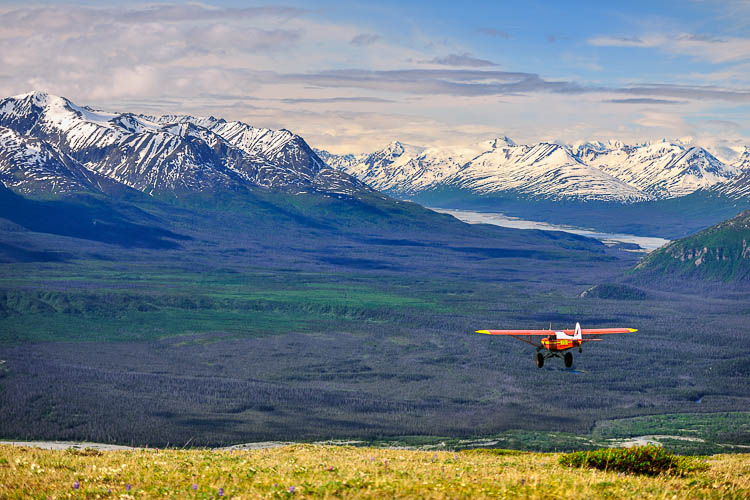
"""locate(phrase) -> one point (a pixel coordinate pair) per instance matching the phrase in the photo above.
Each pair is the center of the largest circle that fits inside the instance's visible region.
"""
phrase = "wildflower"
(434, 457)
(275, 485)
(127, 487)
(76, 485)
(372, 459)
(523, 481)
(109, 490)
(291, 489)
(221, 492)
(195, 486)
(455, 456)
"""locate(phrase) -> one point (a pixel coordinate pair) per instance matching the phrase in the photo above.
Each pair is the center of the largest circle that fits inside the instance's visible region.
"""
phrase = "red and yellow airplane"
(557, 342)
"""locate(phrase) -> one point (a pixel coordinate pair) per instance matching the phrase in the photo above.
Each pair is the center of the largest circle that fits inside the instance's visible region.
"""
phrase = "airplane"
(558, 342)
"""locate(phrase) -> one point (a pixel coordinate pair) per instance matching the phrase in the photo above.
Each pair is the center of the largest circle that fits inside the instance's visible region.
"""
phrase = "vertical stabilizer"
(578, 335)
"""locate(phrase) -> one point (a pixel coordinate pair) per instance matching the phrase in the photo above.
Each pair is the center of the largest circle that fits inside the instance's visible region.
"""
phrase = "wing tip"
(486, 332)
(632, 330)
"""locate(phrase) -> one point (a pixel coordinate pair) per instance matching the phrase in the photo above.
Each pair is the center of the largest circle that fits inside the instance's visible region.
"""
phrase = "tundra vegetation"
(308, 471)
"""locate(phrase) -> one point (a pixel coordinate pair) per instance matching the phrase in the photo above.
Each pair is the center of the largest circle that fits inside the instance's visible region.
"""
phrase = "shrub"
(650, 460)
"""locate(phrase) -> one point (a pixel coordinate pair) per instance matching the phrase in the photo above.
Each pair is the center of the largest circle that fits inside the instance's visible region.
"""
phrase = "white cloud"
(703, 47)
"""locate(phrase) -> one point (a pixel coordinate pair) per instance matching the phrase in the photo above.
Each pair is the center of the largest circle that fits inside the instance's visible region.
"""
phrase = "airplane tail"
(578, 335)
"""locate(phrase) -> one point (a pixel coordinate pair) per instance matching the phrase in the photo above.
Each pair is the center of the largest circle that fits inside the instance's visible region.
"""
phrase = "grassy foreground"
(311, 471)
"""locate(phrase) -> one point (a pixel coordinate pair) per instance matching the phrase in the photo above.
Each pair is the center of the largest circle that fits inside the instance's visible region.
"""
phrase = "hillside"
(343, 472)
(721, 252)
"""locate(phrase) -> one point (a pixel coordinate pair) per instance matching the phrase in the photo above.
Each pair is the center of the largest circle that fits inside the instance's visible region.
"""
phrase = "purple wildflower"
(372, 459)
(127, 487)
(291, 489)
(275, 485)
(109, 490)
(455, 456)
(434, 457)
(221, 492)
(195, 486)
(523, 481)
(76, 485)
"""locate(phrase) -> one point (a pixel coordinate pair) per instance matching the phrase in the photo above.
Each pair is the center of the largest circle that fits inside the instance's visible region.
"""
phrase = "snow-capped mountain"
(589, 171)
(545, 171)
(736, 188)
(29, 165)
(50, 144)
(661, 169)
(743, 161)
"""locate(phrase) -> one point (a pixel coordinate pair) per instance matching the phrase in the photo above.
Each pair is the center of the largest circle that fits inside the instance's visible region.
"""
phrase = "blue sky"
(352, 77)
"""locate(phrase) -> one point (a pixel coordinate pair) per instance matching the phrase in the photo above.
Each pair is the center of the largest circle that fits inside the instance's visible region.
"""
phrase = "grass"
(309, 471)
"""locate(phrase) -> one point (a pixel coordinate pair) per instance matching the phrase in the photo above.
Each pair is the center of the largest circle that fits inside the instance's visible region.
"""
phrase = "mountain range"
(586, 171)
(50, 145)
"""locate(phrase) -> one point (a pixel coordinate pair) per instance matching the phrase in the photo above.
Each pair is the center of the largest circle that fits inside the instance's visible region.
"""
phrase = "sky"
(351, 77)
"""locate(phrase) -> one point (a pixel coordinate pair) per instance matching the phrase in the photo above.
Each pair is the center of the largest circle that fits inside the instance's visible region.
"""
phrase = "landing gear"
(568, 359)
(539, 360)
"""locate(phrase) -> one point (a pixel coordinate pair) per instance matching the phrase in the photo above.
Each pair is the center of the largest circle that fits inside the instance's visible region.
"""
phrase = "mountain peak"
(503, 142)
(42, 99)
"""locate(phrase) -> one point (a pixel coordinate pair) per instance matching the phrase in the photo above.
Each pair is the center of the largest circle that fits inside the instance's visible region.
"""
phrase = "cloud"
(698, 46)
(465, 60)
(724, 125)
(289, 67)
(700, 38)
(456, 82)
(335, 100)
(617, 41)
(643, 100)
(363, 39)
(494, 32)
(469, 82)
(693, 92)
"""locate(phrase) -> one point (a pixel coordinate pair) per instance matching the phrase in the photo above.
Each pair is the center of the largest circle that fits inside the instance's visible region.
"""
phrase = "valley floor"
(309, 471)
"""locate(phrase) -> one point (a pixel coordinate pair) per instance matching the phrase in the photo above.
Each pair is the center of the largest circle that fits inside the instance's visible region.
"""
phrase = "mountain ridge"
(586, 171)
(169, 154)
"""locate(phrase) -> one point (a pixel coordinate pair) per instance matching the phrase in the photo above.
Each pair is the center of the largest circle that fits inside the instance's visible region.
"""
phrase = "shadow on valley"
(85, 217)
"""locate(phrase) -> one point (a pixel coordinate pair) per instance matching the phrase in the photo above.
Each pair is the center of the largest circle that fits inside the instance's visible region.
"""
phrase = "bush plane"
(558, 342)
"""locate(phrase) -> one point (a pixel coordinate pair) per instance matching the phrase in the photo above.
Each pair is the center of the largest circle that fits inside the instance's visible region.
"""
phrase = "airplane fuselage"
(552, 343)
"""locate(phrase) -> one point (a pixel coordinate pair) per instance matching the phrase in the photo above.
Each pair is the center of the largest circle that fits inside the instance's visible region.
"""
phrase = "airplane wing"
(516, 332)
(584, 331)
(602, 331)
